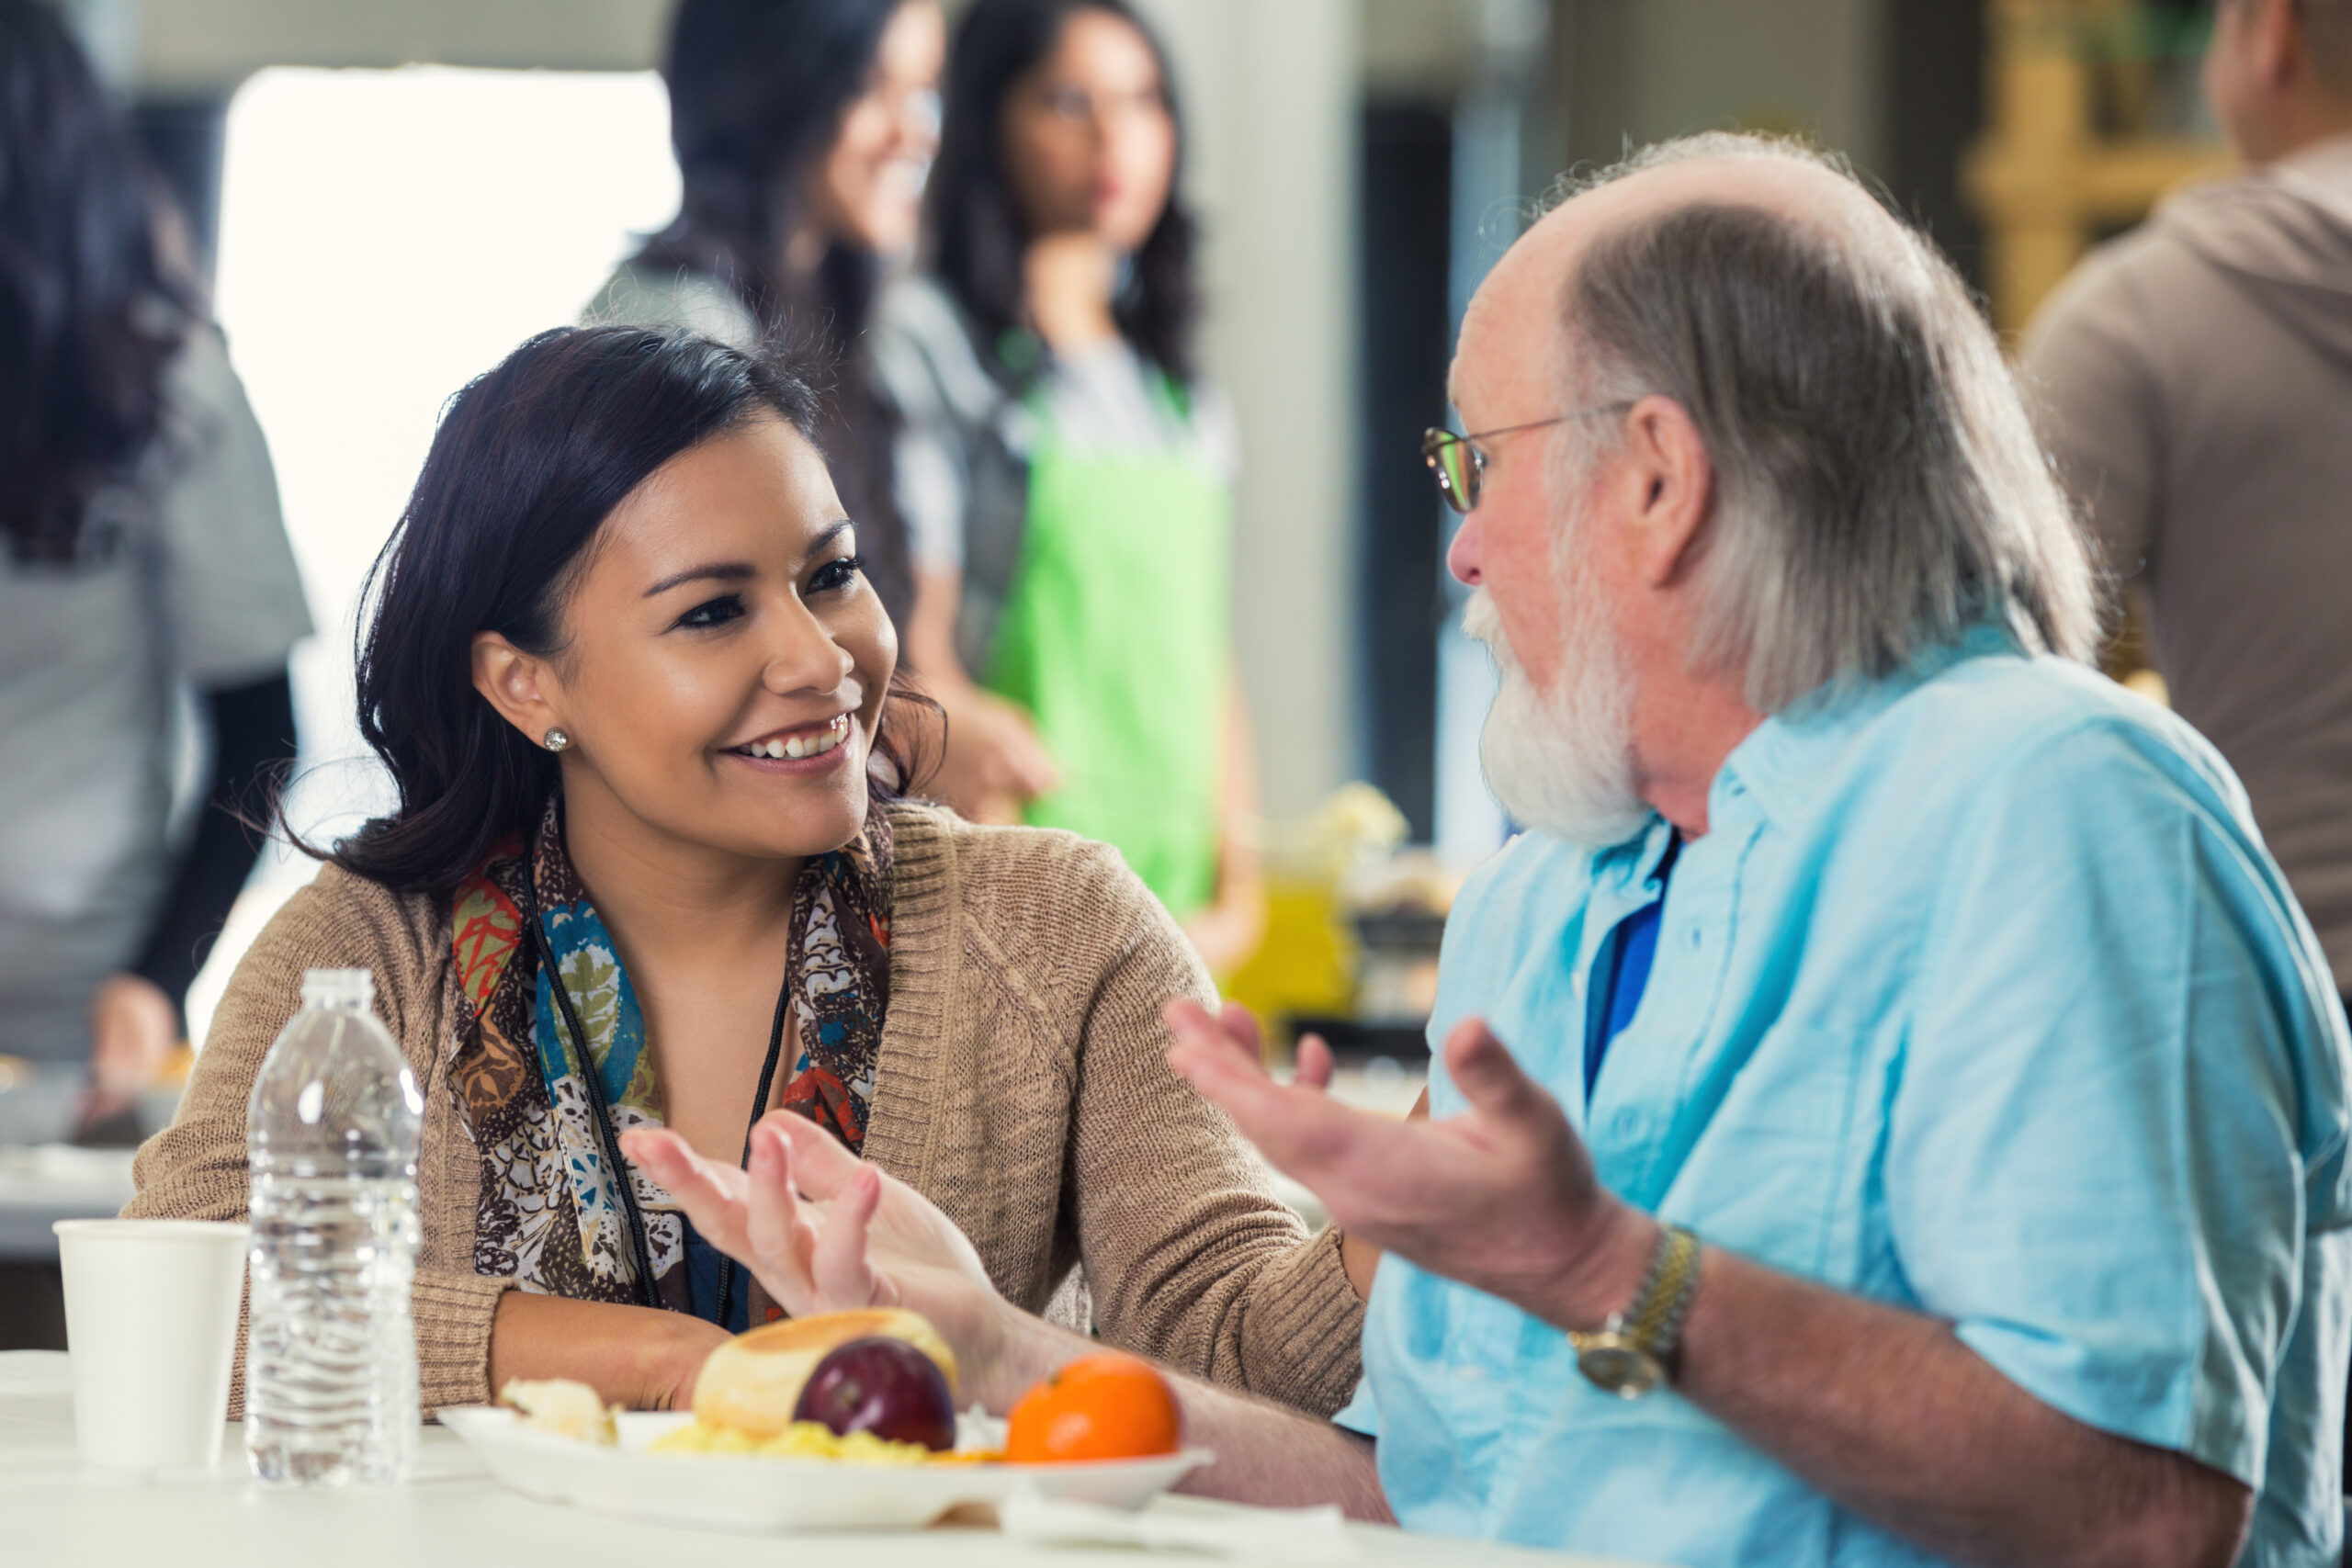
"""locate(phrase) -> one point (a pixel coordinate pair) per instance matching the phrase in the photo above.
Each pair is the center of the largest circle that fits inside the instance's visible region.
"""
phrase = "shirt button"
(1693, 939)
(1626, 1124)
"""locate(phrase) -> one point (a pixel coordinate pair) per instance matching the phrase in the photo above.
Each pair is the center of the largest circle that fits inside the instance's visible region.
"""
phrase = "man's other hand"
(1502, 1197)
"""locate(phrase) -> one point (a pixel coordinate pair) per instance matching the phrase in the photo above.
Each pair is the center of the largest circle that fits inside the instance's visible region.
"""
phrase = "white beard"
(1562, 761)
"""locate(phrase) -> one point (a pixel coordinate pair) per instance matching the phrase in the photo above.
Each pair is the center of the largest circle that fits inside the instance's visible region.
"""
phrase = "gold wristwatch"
(1628, 1354)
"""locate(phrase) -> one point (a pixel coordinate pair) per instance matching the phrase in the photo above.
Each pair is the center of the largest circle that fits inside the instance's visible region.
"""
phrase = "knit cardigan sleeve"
(1189, 1254)
(195, 1169)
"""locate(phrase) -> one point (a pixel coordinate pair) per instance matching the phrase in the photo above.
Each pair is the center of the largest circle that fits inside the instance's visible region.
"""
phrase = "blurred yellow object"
(173, 1073)
(14, 1070)
(2149, 684)
(1308, 962)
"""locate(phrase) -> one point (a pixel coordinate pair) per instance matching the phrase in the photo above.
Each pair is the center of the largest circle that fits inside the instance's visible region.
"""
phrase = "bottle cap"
(350, 988)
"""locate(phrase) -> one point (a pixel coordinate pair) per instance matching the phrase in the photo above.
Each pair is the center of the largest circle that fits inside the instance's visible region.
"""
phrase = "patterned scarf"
(551, 1217)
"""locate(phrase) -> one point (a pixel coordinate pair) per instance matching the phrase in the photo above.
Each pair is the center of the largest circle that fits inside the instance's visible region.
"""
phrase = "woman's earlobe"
(508, 679)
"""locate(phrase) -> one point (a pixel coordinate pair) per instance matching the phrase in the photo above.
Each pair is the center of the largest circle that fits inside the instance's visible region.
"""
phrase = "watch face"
(1620, 1366)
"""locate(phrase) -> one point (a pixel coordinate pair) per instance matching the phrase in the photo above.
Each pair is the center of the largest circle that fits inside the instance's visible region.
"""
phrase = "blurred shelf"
(2047, 179)
(1354, 1041)
(40, 1186)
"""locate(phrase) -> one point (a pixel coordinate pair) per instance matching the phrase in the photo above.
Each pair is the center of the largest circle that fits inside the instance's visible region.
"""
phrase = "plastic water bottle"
(331, 1385)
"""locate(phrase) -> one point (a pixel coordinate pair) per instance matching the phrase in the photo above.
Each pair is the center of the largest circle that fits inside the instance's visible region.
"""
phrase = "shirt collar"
(1630, 864)
(1783, 758)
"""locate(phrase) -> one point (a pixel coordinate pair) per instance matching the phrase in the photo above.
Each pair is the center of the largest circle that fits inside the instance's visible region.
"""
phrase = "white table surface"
(454, 1516)
(52, 1182)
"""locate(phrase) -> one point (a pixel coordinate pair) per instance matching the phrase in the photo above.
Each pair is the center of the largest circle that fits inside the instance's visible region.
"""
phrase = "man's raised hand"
(1501, 1196)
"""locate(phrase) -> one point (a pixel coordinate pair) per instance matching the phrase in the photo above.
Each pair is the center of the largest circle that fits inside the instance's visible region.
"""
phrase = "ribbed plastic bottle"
(333, 1128)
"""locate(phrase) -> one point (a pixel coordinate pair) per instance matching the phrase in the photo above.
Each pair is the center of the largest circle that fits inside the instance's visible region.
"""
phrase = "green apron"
(1114, 637)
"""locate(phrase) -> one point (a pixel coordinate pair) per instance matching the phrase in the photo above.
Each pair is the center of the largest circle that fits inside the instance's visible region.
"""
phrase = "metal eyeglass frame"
(1437, 451)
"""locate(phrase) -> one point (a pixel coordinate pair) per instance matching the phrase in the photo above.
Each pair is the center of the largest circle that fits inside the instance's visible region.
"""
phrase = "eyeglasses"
(1457, 461)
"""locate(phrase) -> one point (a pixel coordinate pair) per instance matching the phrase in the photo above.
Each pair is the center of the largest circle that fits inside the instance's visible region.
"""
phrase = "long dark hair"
(527, 463)
(976, 232)
(757, 91)
(90, 315)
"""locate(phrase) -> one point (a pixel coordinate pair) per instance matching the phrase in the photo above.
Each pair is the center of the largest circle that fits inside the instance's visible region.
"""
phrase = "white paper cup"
(151, 1319)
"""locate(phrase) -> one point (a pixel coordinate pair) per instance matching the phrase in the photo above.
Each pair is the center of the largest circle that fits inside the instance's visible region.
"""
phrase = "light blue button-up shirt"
(1980, 997)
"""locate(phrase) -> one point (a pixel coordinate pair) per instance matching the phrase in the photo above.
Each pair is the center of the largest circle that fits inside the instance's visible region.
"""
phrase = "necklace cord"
(641, 1256)
(759, 1108)
(641, 1252)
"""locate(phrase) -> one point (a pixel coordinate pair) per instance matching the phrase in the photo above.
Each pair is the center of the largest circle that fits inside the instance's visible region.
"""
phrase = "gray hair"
(1878, 488)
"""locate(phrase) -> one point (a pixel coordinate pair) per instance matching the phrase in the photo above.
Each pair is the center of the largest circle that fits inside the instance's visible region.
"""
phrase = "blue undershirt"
(704, 1263)
(1634, 944)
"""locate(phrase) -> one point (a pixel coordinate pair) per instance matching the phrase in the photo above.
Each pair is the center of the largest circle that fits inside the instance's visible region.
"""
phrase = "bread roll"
(568, 1409)
(753, 1382)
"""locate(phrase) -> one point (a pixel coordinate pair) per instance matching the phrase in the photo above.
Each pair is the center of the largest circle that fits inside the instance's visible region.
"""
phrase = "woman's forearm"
(1266, 1454)
(1228, 930)
(1241, 871)
(632, 1355)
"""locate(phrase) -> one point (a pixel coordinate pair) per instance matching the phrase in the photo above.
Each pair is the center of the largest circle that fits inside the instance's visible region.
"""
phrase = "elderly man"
(1890, 1109)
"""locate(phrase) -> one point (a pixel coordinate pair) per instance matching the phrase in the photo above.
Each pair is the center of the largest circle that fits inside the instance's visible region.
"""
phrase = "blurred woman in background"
(141, 554)
(1065, 469)
(803, 130)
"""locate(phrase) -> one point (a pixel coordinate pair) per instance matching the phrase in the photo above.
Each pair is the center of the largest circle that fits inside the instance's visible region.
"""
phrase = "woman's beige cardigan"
(1022, 1086)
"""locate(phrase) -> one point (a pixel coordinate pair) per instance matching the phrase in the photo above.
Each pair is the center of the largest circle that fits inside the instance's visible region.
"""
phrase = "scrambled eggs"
(802, 1439)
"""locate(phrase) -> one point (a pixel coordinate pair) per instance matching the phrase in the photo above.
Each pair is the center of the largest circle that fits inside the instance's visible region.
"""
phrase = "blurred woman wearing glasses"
(803, 130)
(1066, 472)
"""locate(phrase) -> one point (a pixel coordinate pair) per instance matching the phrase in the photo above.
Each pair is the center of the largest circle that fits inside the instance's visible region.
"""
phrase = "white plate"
(745, 1492)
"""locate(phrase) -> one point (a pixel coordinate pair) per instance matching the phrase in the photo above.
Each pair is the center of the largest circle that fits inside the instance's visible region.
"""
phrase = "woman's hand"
(993, 763)
(1227, 933)
(134, 1029)
(822, 1231)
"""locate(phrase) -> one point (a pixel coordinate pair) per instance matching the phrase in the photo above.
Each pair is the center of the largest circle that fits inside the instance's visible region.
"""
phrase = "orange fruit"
(1096, 1407)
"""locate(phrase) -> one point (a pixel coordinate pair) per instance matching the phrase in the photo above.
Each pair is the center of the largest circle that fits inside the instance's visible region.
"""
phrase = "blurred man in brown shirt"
(2194, 381)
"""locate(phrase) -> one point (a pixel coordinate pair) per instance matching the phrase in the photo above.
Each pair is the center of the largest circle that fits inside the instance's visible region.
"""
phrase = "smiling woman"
(653, 866)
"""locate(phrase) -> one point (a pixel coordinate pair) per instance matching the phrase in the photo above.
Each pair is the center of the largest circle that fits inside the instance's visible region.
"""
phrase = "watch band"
(1629, 1353)
(1654, 1320)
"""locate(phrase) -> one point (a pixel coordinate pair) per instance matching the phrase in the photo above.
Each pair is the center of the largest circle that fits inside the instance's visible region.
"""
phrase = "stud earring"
(555, 741)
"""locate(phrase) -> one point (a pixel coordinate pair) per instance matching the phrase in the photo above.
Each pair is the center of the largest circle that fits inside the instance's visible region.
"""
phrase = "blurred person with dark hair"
(1066, 472)
(2195, 386)
(803, 130)
(141, 554)
(653, 866)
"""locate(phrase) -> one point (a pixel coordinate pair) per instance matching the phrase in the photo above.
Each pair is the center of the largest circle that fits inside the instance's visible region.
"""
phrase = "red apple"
(883, 1386)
